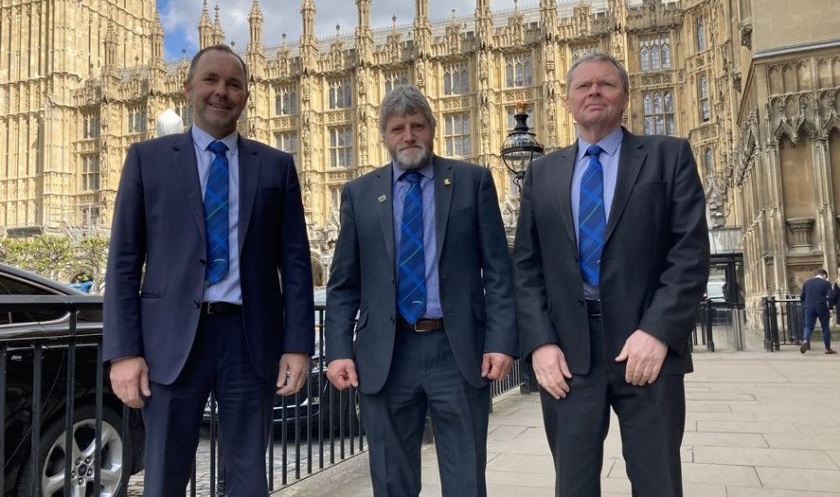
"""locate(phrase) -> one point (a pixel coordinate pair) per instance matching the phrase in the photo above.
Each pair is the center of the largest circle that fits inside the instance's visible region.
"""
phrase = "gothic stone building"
(755, 90)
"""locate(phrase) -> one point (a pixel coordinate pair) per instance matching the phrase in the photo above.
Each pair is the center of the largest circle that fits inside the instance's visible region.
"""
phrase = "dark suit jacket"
(159, 227)
(474, 268)
(654, 264)
(816, 292)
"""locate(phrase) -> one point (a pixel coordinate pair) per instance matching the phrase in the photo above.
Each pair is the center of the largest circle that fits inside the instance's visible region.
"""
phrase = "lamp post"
(520, 147)
(518, 151)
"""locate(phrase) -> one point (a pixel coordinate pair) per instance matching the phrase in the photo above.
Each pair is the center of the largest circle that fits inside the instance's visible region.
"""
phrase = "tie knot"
(412, 177)
(594, 151)
(217, 148)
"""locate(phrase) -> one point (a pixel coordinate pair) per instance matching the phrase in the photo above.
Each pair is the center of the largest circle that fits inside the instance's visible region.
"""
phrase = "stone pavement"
(758, 425)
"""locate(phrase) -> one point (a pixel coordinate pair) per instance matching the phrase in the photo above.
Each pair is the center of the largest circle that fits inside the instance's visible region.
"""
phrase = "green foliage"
(56, 256)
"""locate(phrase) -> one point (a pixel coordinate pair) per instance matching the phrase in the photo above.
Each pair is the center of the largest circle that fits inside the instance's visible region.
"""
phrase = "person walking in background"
(611, 259)
(835, 298)
(209, 285)
(815, 296)
(422, 257)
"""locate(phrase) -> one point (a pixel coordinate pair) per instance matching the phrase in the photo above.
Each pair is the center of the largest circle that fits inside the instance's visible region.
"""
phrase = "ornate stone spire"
(218, 32)
(205, 28)
(255, 24)
(308, 48)
(422, 29)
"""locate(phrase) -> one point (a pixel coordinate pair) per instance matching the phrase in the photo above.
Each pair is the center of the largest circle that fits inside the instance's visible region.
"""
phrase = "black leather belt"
(220, 308)
(593, 308)
(421, 326)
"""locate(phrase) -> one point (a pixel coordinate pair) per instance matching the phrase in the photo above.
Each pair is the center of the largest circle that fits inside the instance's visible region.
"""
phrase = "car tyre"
(116, 455)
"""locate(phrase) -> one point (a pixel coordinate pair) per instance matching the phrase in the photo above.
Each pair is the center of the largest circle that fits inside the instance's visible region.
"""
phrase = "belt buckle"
(211, 308)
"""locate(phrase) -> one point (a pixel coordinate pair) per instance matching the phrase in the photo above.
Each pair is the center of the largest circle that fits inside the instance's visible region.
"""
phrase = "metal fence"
(783, 321)
(719, 325)
(58, 405)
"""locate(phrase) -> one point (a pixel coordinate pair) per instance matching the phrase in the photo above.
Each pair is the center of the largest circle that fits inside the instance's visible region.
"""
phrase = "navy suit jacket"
(654, 264)
(816, 292)
(157, 260)
(474, 267)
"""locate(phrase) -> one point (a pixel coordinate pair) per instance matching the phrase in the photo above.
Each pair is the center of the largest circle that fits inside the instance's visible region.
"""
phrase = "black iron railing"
(783, 321)
(54, 385)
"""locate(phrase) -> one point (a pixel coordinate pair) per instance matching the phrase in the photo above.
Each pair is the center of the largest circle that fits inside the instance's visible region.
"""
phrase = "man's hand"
(130, 381)
(551, 370)
(495, 365)
(292, 374)
(342, 373)
(644, 354)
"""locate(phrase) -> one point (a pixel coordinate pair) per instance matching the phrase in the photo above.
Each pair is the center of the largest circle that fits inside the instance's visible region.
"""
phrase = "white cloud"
(180, 19)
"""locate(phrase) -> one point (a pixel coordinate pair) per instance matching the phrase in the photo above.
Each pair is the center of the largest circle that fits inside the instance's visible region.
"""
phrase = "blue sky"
(180, 18)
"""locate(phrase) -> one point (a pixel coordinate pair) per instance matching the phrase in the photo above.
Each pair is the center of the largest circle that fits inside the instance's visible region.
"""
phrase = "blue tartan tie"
(411, 290)
(216, 214)
(592, 219)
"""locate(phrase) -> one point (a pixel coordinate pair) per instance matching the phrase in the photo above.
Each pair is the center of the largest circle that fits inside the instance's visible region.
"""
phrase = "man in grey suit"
(434, 300)
(209, 287)
(610, 262)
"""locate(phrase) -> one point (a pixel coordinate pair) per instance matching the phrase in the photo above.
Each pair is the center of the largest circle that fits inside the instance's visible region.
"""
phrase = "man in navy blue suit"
(180, 320)
(815, 295)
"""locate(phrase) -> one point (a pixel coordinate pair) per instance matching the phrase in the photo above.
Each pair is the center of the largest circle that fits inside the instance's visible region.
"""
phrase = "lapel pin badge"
(382, 198)
(447, 181)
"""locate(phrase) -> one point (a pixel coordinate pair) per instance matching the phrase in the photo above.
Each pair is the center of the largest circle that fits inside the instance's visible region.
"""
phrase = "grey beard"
(421, 161)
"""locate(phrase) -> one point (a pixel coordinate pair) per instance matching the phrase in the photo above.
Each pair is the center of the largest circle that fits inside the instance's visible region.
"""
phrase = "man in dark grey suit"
(188, 313)
(610, 262)
(815, 296)
(433, 336)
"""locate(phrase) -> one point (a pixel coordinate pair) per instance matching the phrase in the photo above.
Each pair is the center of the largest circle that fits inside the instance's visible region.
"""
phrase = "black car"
(318, 406)
(36, 342)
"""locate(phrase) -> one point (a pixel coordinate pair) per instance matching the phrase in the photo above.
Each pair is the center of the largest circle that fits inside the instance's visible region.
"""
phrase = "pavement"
(759, 424)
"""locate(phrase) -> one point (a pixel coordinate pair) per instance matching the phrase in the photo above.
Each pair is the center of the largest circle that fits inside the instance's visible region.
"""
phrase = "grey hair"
(402, 100)
(599, 57)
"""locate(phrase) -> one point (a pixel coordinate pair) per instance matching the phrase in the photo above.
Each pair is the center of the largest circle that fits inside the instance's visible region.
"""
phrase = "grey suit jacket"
(654, 264)
(474, 269)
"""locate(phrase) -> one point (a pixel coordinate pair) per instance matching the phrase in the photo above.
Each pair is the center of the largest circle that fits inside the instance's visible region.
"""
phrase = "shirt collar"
(203, 139)
(609, 144)
(427, 170)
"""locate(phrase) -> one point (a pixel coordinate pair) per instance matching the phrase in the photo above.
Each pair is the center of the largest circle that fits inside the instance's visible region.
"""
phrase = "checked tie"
(411, 291)
(216, 214)
(592, 220)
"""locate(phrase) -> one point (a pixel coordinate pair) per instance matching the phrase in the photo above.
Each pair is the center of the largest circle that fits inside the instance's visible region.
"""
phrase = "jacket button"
(197, 303)
(203, 262)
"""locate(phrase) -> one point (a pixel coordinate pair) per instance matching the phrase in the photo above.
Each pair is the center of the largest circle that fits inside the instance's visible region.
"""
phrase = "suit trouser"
(424, 373)
(219, 361)
(811, 315)
(651, 418)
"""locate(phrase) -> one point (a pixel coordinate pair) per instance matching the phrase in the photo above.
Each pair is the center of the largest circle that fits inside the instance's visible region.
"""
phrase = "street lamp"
(518, 151)
(520, 147)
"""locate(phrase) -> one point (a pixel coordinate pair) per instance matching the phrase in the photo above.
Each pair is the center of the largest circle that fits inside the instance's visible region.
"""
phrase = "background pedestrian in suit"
(835, 297)
(815, 296)
(433, 335)
(605, 308)
(209, 285)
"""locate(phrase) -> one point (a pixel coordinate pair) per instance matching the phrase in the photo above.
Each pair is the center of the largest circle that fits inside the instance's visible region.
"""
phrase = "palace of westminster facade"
(753, 84)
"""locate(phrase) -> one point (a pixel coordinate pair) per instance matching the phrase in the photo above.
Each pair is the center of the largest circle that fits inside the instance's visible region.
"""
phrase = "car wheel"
(115, 460)
(344, 418)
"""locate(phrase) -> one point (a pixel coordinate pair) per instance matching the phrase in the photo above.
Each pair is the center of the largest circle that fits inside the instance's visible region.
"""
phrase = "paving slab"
(758, 424)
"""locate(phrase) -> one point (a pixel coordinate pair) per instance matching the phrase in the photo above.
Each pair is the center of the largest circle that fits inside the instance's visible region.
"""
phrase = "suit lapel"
(444, 182)
(249, 178)
(184, 163)
(629, 165)
(383, 196)
(560, 177)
